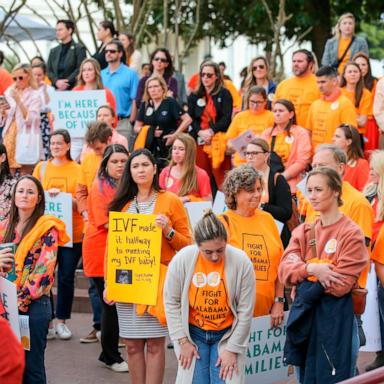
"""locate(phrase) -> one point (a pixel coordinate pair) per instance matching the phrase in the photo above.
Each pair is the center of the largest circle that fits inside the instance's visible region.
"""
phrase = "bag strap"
(339, 61)
(273, 142)
(42, 171)
(312, 241)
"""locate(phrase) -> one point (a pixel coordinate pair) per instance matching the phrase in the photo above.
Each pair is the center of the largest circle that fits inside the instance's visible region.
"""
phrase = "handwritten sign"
(264, 357)
(219, 203)
(196, 210)
(73, 110)
(134, 254)
(61, 207)
(8, 297)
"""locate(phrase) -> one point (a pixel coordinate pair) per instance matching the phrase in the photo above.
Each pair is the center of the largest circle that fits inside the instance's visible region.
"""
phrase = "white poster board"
(241, 142)
(8, 295)
(219, 205)
(264, 356)
(371, 316)
(196, 210)
(73, 110)
(61, 207)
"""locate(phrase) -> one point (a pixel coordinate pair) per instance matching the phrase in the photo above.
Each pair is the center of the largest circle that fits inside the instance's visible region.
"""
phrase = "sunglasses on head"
(207, 75)
(160, 59)
(15, 78)
(261, 66)
(110, 50)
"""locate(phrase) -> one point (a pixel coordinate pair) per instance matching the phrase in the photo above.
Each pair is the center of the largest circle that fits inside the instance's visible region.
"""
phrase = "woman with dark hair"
(94, 245)
(289, 141)
(105, 33)
(132, 55)
(7, 181)
(346, 137)
(139, 192)
(60, 174)
(210, 108)
(31, 267)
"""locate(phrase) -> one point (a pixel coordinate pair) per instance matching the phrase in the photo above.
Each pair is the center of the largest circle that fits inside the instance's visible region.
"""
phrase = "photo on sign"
(123, 276)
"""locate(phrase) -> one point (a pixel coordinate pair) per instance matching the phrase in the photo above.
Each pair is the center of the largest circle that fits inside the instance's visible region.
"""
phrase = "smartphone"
(3, 101)
(10, 271)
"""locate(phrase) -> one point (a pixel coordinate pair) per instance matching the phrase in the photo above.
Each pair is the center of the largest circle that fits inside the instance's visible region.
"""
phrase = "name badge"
(149, 111)
(201, 102)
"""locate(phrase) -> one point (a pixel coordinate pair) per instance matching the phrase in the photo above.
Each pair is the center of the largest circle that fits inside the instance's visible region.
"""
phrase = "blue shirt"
(123, 84)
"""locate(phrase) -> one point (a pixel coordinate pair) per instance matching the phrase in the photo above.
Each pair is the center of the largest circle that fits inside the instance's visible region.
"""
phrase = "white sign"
(219, 203)
(279, 226)
(371, 316)
(196, 210)
(61, 207)
(302, 187)
(241, 142)
(8, 296)
(73, 110)
(264, 356)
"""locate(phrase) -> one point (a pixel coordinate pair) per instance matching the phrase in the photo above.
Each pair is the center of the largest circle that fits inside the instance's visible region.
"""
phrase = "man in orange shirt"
(301, 89)
(5, 77)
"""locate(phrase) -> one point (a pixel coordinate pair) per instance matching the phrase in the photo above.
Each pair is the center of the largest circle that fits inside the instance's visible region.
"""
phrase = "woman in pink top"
(347, 138)
(289, 141)
(182, 176)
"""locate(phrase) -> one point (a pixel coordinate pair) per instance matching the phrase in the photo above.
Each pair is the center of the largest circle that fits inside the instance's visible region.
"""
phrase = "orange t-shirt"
(259, 238)
(89, 167)
(208, 298)
(378, 250)
(65, 178)
(5, 80)
(357, 175)
(237, 101)
(343, 45)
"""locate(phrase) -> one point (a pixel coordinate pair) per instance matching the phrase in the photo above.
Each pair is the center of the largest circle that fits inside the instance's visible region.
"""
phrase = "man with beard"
(301, 89)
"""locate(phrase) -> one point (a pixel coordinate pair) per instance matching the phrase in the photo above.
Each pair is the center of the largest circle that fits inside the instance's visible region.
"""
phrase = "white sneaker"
(51, 333)
(63, 332)
(119, 367)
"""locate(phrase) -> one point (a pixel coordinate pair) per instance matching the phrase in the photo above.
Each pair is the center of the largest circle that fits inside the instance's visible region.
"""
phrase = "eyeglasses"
(253, 153)
(160, 59)
(208, 75)
(254, 68)
(15, 78)
(111, 51)
(256, 102)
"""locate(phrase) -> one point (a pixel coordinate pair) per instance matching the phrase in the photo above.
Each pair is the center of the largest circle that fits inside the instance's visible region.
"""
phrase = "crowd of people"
(312, 165)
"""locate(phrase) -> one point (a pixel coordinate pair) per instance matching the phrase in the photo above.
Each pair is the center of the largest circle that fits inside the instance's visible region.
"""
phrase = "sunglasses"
(111, 51)
(207, 75)
(160, 59)
(254, 68)
(15, 78)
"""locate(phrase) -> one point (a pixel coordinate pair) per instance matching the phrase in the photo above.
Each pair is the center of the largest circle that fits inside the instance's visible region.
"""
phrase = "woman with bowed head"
(255, 118)
(289, 141)
(7, 182)
(61, 174)
(165, 119)
(352, 86)
(276, 196)
(94, 245)
(210, 348)
(31, 267)
(346, 137)
(139, 192)
(323, 260)
(182, 176)
(19, 111)
(210, 108)
(249, 228)
(105, 33)
(132, 55)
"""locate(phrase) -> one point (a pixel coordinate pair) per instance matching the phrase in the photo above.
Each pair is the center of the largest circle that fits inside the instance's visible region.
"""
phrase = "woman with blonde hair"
(182, 176)
(344, 45)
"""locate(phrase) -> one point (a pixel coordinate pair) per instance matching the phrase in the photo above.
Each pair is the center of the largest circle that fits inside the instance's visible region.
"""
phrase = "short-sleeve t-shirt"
(165, 116)
(208, 298)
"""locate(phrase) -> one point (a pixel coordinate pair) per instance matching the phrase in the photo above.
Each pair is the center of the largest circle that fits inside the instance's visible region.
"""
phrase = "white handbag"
(27, 147)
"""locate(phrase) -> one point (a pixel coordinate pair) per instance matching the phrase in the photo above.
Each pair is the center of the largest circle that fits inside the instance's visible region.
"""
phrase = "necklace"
(149, 203)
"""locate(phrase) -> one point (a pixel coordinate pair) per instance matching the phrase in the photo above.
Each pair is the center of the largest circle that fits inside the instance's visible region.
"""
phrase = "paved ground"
(70, 362)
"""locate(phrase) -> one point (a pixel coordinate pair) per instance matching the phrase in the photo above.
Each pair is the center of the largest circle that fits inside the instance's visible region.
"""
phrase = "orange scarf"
(216, 150)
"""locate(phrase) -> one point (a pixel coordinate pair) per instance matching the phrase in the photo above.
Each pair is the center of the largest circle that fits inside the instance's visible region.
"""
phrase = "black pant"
(109, 328)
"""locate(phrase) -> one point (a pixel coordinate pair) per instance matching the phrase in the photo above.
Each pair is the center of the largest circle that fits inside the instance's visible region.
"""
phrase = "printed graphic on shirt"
(331, 246)
(294, 94)
(319, 133)
(58, 182)
(256, 249)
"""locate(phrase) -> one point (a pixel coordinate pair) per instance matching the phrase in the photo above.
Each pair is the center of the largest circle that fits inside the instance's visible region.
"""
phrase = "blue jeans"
(96, 304)
(380, 294)
(355, 347)
(207, 343)
(39, 313)
(67, 259)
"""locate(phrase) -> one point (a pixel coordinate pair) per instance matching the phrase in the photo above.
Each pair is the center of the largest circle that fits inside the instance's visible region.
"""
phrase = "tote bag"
(27, 147)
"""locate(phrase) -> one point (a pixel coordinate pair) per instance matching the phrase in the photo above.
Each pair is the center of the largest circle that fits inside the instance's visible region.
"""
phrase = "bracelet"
(183, 340)
(170, 235)
(279, 299)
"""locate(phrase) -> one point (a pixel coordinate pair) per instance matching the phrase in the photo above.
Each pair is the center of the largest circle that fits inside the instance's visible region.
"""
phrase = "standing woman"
(346, 137)
(105, 33)
(132, 56)
(37, 237)
(60, 174)
(290, 141)
(7, 182)
(20, 111)
(94, 245)
(210, 108)
(258, 75)
(344, 45)
(352, 86)
(164, 116)
(139, 192)
(182, 176)
(325, 285)
(210, 348)
(256, 118)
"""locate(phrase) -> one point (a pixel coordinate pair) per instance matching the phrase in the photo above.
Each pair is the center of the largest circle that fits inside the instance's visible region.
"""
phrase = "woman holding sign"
(255, 232)
(36, 237)
(209, 296)
(60, 174)
(139, 192)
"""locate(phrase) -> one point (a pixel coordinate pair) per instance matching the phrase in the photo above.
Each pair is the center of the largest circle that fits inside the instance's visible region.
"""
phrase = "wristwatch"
(279, 299)
(170, 235)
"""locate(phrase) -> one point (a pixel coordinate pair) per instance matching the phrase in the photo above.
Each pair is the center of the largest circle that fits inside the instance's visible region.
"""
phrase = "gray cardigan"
(241, 287)
(330, 55)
